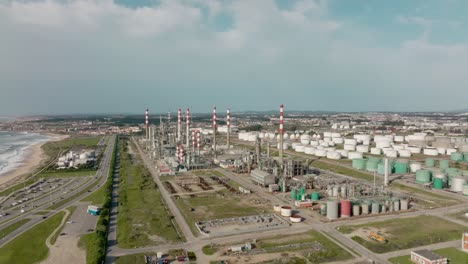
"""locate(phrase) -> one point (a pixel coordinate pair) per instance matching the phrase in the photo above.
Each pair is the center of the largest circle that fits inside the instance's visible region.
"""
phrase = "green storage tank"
(423, 176)
(371, 165)
(444, 164)
(359, 164)
(315, 196)
(438, 183)
(465, 155)
(293, 194)
(298, 196)
(381, 168)
(452, 172)
(301, 191)
(401, 167)
(456, 156)
(430, 162)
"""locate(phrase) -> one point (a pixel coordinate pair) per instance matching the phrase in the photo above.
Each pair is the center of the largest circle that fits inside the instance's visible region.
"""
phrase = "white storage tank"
(327, 134)
(320, 153)
(335, 135)
(300, 148)
(305, 141)
(457, 184)
(295, 218)
(414, 150)
(450, 151)
(415, 166)
(362, 149)
(391, 153)
(354, 155)
(338, 140)
(314, 143)
(309, 150)
(398, 147)
(286, 211)
(333, 155)
(277, 208)
(442, 151)
(382, 144)
(404, 153)
(350, 141)
(349, 147)
(327, 139)
(430, 152)
(376, 151)
(343, 153)
(305, 137)
(332, 209)
(399, 138)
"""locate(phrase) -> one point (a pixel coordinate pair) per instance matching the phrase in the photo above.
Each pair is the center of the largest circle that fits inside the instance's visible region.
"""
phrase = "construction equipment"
(379, 238)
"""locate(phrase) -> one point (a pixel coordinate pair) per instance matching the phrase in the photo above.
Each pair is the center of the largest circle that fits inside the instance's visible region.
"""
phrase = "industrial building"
(74, 159)
(262, 178)
(464, 245)
(93, 210)
(425, 256)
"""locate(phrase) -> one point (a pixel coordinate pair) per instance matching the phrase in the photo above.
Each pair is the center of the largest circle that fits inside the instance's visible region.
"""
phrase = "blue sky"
(123, 56)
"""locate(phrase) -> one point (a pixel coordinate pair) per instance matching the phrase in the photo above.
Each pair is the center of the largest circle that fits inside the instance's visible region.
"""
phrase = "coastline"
(34, 157)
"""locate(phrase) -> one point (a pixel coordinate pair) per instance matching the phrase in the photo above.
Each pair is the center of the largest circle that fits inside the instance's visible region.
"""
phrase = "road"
(99, 179)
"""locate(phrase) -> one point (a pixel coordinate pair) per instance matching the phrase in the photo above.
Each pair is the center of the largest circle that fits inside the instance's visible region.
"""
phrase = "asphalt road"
(101, 176)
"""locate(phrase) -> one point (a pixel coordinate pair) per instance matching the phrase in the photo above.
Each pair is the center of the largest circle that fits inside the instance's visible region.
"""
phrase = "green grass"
(437, 200)
(30, 246)
(133, 259)
(407, 233)
(97, 197)
(460, 216)
(54, 237)
(142, 219)
(6, 231)
(454, 255)
(330, 252)
(209, 249)
(340, 169)
(41, 212)
(213, 206)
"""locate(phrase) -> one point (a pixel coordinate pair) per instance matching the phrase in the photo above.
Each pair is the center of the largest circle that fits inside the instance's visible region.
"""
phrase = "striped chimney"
(228, 125)
(179, 121)
(187, 122)
(281, 133)
(193, 141)
(146, 123)
(198, 141)
(214, 130)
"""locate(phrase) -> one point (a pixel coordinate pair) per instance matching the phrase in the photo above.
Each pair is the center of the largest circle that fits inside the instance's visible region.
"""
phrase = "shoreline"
(33, 158)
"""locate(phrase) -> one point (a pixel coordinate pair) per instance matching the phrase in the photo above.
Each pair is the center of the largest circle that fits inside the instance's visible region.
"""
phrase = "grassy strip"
(142, 218)
(342, 170)
(132, 259)
(41, 212)
(454, 255)
(420, 191)
(6, 231)
(95, 243)
(97, 197)
(30, 246)
(209, 250)
(71, 209)
(407, 233)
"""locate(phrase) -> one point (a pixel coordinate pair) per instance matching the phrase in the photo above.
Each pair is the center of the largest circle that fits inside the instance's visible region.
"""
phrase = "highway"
(99, 179)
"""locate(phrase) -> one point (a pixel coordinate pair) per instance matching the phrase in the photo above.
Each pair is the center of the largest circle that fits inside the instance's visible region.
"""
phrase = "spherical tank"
(345, 208)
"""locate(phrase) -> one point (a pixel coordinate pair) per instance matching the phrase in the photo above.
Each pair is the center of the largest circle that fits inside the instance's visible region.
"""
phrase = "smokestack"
(281, 133)
(187, 122)
(386, 172)
(228, 124)
(198, 142)
(179, 116)
(146, 124)
(214, 130)
(193, 142)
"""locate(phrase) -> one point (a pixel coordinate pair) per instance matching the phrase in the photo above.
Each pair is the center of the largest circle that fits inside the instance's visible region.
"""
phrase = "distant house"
(465, 241)
(425, 256)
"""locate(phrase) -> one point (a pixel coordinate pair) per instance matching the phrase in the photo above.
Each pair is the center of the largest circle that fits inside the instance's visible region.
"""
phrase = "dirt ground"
(65, 250)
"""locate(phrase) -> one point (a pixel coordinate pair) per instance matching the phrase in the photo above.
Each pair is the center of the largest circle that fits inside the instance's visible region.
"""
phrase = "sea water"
(13, 147)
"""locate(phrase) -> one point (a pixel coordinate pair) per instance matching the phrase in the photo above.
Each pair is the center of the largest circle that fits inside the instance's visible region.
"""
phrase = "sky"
(123, 56)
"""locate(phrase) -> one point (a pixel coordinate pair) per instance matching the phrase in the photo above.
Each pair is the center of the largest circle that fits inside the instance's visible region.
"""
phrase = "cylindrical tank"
(401, 167)
(396, 205)
(383, 208)
(415, 166)
(359, 164)
(300, 148)
(456, 156)
(372, 165)
(315, 196)
(349, 147)
(314, 143)
(465, 189)
(332, 209)
(457, 184)
(333, 155)
(354, 155)
(350, 141)
(375, 208)
(344, 192)
(293, 194)
(345, 208)
(343, 153)
(438, 183)
(365, 208)
(376, 151)
(430, 162)
(391, 153)
(295, 218)
(356, 209)
(277, 208)
(414, 150)
(362, 148)
(336, 191)
(309, 150)
(329, 191)
(423, 176)
(381, 168)
(323, 209)
(404, 204)
(404, 153)
(399, 138)
(286, 211)
(338, 140)
(442, 151)
(320, 153)
(444, 164)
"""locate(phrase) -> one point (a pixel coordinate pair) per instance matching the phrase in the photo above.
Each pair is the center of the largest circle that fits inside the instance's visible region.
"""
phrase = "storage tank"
(401, 167)
(423, 176)
(356, 209)
(343, 153)
(450, 151)
(457, 184)
(442, 151)
(404, 153)
(315, 196)
(333, 155)
(335, 135)
(305, 141)
(399, 138)
(286, 211)
(396, 205)
(277, 208)
(456, 156)
(430, 162)
(404, 204)
(444, 164)
(332, 209)
(295, 218)
(350, 141)
(381, 168)
(354, 155)
(327, 134)
(336, 191)
(382, 144)
(430, 152)
(438, 183)
(314, 143)
(349, 147)
(372, 164)
(362, 149)
(365, 208)
(338, 140)
(300, 148)
(320, 153)
(345, 208)
(415, 166)
(323, 209)
(309, 150)
(414, 149)
(375, 208)
(359, 164)
(376, 151)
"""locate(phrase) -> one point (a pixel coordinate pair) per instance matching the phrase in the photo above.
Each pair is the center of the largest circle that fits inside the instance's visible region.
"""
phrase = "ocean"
(13, 147)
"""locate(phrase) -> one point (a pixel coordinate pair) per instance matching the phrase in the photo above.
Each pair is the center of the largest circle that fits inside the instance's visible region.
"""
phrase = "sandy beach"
(34, 158)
